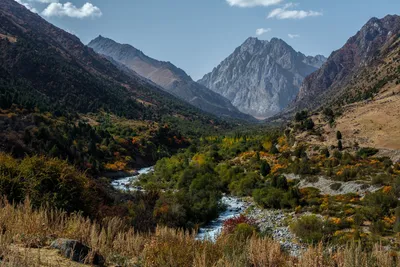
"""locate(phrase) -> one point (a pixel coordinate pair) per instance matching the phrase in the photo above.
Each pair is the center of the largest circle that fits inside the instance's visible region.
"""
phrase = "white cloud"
(286, 13)
(261, 31)
(69, 10)
(45, 1)
(27, 5)
(292, 36)
(253, 3)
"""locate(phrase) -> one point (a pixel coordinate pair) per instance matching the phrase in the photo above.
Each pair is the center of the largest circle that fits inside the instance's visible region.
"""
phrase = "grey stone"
(76, 251)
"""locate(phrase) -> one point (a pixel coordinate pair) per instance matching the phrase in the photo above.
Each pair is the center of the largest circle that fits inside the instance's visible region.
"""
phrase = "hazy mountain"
(168, 76)
(261, 77)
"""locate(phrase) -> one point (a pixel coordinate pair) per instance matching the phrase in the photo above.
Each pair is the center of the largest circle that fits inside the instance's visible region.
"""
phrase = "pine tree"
(265, 168)
(340, 145)
(339, 135)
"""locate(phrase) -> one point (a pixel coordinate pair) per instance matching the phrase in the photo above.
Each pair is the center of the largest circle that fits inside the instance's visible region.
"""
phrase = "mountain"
(261, 78)
(60, 98)
(356, 71)
(167, 76)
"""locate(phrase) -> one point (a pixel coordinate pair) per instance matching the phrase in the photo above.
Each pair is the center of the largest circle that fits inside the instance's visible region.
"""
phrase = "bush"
(366, 152)
(47, 182)
(309, 229)
(231, 225)
(336, 186)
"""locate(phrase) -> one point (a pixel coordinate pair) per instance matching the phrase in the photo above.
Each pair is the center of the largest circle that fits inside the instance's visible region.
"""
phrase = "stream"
(234, 206)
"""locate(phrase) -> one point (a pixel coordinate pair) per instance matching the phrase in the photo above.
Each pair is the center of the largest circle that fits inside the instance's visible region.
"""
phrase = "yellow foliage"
(199, 159)
(267, 145)
(390, 220)
(277, 167)
(336, 220)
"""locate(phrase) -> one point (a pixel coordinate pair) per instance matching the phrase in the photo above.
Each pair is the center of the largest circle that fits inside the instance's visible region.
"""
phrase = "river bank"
(274, 223)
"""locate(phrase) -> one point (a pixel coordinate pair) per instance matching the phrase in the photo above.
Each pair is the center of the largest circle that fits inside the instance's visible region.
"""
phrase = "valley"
(109, 157)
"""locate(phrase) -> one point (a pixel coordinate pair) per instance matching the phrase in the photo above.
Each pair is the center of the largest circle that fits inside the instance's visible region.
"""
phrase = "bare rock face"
(261, 78)
(166, 75)
(361, 52)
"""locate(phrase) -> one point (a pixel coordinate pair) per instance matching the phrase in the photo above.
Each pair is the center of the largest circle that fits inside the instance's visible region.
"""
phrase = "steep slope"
(351, 73)
(168, 76)
(60, 98)
(46, 64)
(260, 77)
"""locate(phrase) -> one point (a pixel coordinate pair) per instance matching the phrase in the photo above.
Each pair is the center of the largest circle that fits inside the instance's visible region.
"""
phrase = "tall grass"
(24, 230)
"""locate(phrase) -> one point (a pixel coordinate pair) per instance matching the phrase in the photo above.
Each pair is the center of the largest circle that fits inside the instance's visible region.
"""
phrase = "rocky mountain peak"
(261, 77)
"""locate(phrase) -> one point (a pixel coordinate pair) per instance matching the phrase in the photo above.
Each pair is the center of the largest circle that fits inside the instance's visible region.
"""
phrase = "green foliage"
(265, 168)
(338, 135)
(309, 124)
(366, 152)
(300, 116)
(340, 145)
(311, 229)
(46, 182)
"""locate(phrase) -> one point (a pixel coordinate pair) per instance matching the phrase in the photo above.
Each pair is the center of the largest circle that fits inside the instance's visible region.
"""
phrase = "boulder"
(76, 251)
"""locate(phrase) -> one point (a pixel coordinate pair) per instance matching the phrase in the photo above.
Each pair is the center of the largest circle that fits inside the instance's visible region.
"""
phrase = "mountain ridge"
(366, 49)
(166, 75)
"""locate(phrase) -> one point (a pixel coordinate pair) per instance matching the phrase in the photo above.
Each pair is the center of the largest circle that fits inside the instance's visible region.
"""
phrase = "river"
(234, 206)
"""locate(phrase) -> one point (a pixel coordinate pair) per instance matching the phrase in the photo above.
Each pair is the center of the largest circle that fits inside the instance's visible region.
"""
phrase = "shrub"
(309, 228)
(336, 186)
(231, 225)
(47, 182)
(366, 152)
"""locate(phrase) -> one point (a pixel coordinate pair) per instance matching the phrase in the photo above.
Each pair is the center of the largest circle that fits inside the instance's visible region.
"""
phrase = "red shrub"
(230, 224)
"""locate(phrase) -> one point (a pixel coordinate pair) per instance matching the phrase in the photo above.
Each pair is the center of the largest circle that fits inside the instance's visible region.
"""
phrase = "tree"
(338, 135)
(340, 145)
(309, 124)
(265, 168)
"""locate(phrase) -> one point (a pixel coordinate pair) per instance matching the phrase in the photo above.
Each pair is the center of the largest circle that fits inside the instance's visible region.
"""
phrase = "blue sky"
(196, 35)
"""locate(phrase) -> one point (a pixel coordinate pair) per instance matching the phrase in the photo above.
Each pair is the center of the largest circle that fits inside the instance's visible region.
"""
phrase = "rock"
(76, 251)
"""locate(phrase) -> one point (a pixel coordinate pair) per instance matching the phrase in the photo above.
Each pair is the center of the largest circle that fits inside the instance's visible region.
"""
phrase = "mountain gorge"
(261, 77)
(167, 76)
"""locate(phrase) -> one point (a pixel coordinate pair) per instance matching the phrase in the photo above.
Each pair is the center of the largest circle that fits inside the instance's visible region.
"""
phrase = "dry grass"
(25, 235)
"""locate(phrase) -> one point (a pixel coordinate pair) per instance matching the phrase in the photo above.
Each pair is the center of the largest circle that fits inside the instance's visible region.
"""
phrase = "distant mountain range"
(261, 78)
(169, 77)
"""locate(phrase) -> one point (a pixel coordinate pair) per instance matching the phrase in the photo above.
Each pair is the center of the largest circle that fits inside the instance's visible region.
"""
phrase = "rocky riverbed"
(275, 223)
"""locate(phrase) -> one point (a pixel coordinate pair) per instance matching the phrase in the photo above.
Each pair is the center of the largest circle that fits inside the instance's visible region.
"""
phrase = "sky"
(196, 35)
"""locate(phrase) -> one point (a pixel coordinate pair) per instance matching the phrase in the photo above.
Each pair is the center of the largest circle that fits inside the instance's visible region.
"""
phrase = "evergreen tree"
(339, 135)
(340, 145)
(265, 168)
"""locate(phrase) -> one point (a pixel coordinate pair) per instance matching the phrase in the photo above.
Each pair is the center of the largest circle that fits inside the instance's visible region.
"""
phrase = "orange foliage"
(387, 189)
(116, 166)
